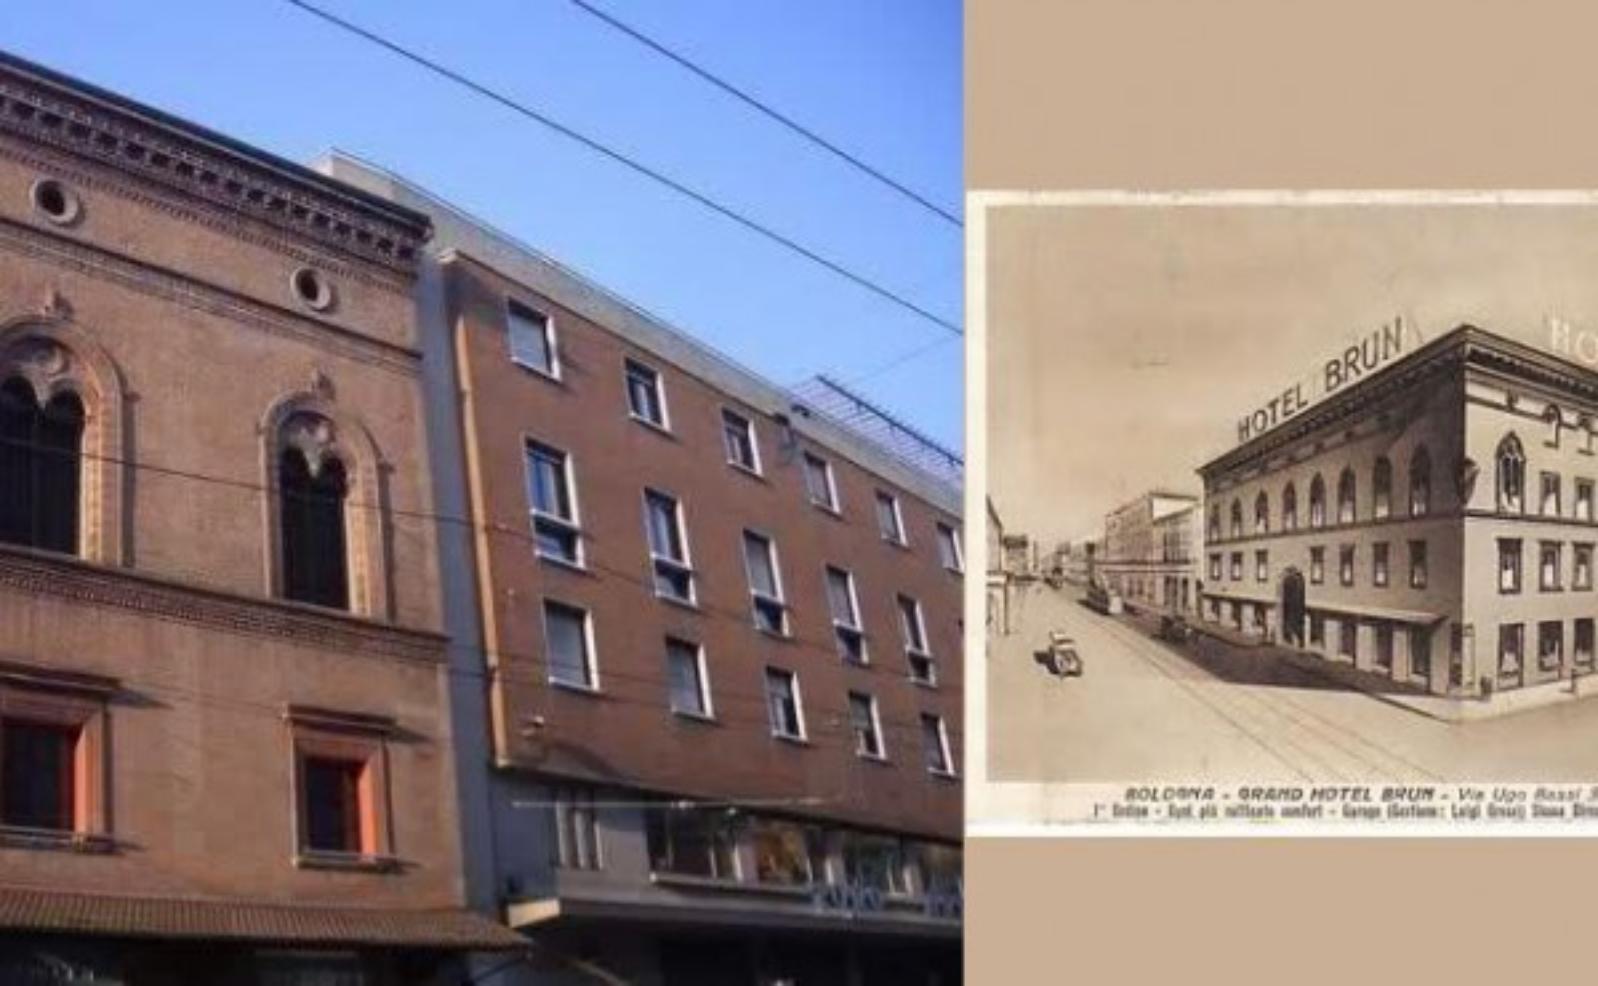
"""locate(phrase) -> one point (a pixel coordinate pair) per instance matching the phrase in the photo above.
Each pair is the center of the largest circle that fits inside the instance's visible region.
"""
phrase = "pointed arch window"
(1511, 460)
(1215, 523)
(41, 447)
(313, 489)
(1290, 508)
(1317, 502)
(1420, 483)
(1382, 489)
(1262, 513)
(1237, 518)
(1345, 497)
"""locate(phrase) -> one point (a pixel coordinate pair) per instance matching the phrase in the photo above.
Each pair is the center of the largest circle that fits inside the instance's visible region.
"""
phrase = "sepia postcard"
(1290, 510)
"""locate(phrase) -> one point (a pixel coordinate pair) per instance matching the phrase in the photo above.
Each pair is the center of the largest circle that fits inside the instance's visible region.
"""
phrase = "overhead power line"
(753, 225)
(767, 110)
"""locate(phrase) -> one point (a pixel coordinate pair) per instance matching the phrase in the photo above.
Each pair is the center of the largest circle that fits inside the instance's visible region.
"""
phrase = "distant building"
(1433, 522)
(1148, 554)
(998, 580)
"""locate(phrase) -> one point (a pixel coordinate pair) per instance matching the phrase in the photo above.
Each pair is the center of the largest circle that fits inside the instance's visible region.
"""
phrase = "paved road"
(1148, 710)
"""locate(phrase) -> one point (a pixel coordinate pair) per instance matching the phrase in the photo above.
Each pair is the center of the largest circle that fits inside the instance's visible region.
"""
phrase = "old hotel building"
(721, 635)
(225, 737)
(1148, 551)
(1432, 523)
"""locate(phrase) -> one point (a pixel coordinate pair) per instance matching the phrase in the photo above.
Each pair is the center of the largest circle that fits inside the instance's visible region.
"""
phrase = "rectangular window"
(949, 552)
(1583, 642)
(1262, 566)
(576, 829)
(1550, 645)
(1584, 499)
(38, 775)
(1379, 563)
(341, 785)
(845, 606)
(875, 862)
(935, 745)
(1384, 646)
(1511, 652)
(913, 628)
(820, 484)
(1345, 564)
(765, 584)
(783, 704)
(1317, 566)
(668, 547)
(532, 339)
(1581, 575)
(1508, 564)
(867, 727)
(1347, 638)
(553, 504)
(685, 671)
(1417, 565)
(646, 395)
(788, 853)
(1420, 652)
(738, 432)
(1215, 568)
(890, 521)
(1549, 565)
(1550, 494)
(690, 840)
(567, 635)
(1317, 629)
(1237, 566)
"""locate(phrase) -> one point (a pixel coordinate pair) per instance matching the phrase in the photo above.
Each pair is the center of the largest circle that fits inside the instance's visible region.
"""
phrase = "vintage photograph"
(1291, 488)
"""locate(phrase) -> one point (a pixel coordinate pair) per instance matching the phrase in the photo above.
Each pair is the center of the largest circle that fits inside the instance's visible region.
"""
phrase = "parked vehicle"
(1105, 601)
(1175, 629)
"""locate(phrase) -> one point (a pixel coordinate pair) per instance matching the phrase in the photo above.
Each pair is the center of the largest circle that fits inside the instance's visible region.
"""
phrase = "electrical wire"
(769, 111)
(727, 212)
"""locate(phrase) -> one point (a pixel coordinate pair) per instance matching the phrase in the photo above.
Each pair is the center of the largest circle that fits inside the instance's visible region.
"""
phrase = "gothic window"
(313, 489)
(1237, 519)
(1382, 488)
(1317, 502)
(1511, 475)
(1345, 497)
(1262, 513)
(1290, 508)
(40, 467)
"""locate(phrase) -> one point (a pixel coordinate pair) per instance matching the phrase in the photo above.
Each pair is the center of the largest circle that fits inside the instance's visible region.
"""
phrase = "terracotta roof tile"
(30, 909)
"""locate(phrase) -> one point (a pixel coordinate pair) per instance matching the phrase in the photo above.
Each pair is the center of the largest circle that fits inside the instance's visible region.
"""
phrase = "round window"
(312, 289)
(55, 201)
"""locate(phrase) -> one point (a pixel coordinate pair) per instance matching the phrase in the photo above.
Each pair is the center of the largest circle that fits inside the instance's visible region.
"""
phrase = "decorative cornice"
(70, 579)
(240, 309)
(45, 108)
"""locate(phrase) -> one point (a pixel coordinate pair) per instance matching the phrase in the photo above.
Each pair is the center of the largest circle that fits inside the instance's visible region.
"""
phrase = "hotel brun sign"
(1359, 360)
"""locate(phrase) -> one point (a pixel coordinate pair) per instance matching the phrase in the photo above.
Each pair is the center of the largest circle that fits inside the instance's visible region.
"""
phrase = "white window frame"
(627, 364)
(798, 704)
(831, 504)
(551, 339)
(573, 524)
(703, 670)
(910, 651)
(857, 628)
(943, 746)
(755, 468)
(951, 535)
(876, 727)
(755, 595)
(900, 538)
(684, 565)
(590, 651)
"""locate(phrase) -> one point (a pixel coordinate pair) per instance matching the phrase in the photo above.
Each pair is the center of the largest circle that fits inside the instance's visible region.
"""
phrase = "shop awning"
(39, 910)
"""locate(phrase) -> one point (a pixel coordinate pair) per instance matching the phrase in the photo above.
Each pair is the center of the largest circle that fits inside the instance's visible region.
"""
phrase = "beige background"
(1138, 94)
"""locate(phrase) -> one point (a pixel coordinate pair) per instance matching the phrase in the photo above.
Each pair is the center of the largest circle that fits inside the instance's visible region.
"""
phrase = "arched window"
(1382, 488)
(1215, 522)
(312, 486)
(1237, 519)
(1262, 513)
(40, 467)
(1289, 508)
(1511, 475)
(1345, 497)
(1317, 502)
(1420, 483)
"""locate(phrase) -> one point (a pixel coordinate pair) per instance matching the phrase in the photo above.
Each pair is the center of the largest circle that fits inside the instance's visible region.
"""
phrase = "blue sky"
(881, 79)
